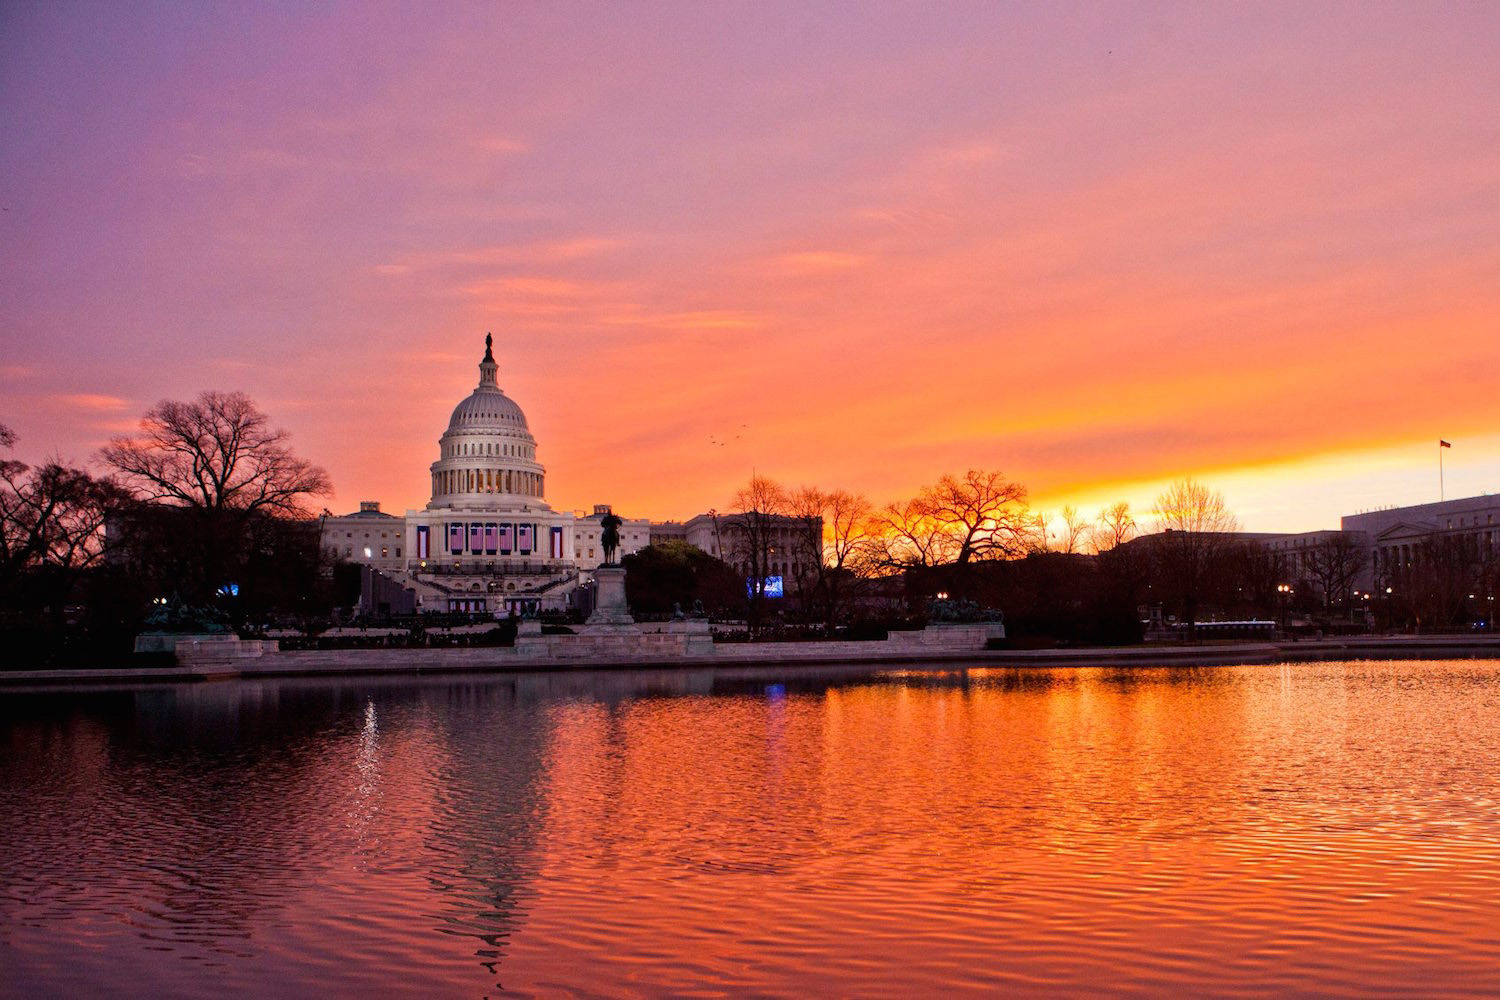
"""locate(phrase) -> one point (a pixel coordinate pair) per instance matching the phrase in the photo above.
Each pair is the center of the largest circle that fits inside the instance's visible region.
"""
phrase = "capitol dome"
(487, 407)
(488, 456)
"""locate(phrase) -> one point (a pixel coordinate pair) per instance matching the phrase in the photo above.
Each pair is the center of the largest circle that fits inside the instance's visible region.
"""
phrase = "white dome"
(488, 409)
(487, 456)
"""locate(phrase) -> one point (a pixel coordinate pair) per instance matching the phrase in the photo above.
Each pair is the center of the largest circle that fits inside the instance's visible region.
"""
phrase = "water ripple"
(1325, 829)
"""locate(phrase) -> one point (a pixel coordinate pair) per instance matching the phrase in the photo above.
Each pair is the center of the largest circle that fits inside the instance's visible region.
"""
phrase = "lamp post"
(1285, 590)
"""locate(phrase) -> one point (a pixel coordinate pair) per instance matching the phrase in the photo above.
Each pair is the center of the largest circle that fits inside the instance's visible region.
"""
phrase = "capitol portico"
(487, 539)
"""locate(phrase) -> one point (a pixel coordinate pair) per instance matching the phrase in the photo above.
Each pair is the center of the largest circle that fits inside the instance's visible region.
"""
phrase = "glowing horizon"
(1099, 248)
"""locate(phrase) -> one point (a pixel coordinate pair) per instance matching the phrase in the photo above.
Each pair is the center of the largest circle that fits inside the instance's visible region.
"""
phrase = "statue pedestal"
(609, 598)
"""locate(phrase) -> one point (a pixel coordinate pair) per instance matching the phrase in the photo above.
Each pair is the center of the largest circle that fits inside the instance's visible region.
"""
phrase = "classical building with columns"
(487, 541)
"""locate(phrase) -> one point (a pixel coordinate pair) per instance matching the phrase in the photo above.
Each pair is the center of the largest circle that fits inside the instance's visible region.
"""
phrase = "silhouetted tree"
(805, 508)
(982, 512)
(759, 509)
(1115, 526)
(1252, 575)
(847, 539)
(905, 534)
(1435, 584)
(1334, 563)
(675, 572)
(1074, 531)
(1196, 530)
(212, 477)
(218, 452)
(51, 526)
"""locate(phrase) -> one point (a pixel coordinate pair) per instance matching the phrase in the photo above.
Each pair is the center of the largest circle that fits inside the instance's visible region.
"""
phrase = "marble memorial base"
(610, 610)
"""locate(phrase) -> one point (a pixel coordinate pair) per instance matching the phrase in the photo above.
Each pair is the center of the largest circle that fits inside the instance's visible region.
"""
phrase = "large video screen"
(774, 587)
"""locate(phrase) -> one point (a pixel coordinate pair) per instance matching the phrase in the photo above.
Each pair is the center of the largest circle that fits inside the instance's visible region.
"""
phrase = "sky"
(1096, 246)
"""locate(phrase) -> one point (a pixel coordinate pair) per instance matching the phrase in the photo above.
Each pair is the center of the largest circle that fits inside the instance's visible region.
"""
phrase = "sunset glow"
(1096, 247)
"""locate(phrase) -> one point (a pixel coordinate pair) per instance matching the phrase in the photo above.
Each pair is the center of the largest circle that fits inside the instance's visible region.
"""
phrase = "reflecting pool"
(1329, 828)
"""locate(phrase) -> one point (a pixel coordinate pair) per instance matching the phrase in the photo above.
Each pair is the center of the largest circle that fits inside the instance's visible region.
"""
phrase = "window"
(385, 553)
(398, 552)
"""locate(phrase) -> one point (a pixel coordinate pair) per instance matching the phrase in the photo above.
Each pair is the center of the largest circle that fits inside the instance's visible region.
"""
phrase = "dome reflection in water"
(1328, 828)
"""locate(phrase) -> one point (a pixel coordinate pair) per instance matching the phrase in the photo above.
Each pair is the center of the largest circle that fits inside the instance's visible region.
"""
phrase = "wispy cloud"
(702, 319)
(93, 402)
(818, 262)
(502, 144)
(521, 254)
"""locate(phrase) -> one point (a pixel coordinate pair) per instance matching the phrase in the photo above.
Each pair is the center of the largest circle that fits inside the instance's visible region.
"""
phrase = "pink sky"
(1094, 246)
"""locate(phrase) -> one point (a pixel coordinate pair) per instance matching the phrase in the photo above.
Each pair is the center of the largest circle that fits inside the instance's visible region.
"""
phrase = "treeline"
(203, 507)
(974, 537)
(1440, 581)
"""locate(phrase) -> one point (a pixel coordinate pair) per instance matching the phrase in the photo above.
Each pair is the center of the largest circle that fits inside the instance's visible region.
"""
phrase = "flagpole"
(1442, 493)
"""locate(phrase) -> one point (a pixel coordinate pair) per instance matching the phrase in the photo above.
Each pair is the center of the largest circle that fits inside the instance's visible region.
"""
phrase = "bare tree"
(847, 537)
(1334, 563)
(209, 472)
(1488, 576)
(1443, 571)
(983, 513)
(759, 509)
(1035, 535)
(805, 509)
(905, 534)
(1075, 530)
(1196, 530)
(1251, 575)
(51, 521)
(1115, 526)
(218, 452)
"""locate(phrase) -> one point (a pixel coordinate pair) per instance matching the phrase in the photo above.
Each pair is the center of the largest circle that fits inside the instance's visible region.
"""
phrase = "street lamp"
(1285, 590)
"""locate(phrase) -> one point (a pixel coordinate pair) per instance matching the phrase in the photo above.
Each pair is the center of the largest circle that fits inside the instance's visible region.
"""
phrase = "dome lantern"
(487, 366)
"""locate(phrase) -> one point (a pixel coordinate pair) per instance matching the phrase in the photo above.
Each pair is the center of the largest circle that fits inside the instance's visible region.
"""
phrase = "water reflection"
(1325, 828)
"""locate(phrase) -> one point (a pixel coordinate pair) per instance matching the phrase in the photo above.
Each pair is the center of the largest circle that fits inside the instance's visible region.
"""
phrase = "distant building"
(1303, 554)
(789, 550)
(368, 537)
(663, 532)
(1395, 534)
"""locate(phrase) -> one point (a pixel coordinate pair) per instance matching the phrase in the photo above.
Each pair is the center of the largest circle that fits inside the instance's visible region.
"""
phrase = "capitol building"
(487, 541)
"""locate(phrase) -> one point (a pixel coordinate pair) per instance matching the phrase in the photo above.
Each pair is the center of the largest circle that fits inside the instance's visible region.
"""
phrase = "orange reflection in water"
(1323, 828)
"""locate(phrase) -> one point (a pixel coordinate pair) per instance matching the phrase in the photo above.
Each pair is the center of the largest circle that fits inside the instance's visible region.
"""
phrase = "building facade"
(487, 540)
(1396, 535)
